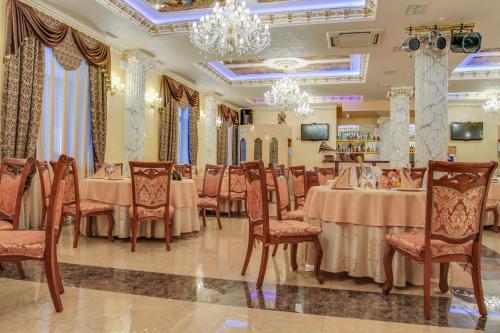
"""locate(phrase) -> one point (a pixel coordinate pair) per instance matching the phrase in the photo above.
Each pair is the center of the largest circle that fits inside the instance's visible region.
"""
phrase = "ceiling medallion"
(230, 30)
(492, 106)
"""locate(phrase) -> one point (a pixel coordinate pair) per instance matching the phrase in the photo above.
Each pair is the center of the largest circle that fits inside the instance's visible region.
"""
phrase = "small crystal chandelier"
(304, 110)
(230, 30)
(284, 94)
(492, 106)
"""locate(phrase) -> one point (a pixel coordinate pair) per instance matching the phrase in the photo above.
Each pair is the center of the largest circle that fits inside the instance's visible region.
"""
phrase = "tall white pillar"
(385, 144)
(431, 106)
(210, 127)
(400, 125)
(135, 83)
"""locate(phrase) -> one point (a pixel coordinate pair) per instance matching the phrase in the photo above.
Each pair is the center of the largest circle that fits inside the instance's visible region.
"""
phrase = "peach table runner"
(119, 192)
(377, 208)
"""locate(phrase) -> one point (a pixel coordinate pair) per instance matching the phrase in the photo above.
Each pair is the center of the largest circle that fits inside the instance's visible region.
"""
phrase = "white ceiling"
(307, 40)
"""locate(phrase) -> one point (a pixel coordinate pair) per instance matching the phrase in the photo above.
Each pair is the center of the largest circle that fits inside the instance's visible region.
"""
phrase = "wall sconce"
(154, 100)
(116, 85)
(218, 122)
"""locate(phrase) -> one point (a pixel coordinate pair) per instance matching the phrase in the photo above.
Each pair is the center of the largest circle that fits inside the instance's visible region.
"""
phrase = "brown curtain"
(174, 93)
(235, 145)
(25, 23)
(22, 99)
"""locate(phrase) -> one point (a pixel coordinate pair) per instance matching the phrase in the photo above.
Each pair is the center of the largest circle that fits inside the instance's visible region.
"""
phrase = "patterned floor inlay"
(459, 311)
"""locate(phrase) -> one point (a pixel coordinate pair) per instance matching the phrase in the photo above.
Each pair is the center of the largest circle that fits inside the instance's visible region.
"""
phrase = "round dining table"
(118, 192)
(354, 223)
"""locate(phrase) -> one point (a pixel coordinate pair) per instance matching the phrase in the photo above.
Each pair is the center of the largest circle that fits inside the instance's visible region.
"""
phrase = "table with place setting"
(118, 192)
(354, 223)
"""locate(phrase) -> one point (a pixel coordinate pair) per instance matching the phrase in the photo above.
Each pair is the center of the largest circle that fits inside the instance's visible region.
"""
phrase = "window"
(183, 136)
(230, 144)
(273, 151)
(243, 150)
(257, 150)
(65, 126)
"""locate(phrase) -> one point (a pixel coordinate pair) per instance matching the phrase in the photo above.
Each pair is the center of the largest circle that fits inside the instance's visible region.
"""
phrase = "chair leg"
(52, 283)
(476, 282)
(133, 229)
(90, 232)
(319, 258)
(168, 236)
(248, 255)
(1, 266)
(443, 277)
(263, 265)
(44, 213)
(111, 225)
(275, 250)
(285, 247)
(229, 202)
(427, 289)
(293, 257)
(239, 207)
(495, 220)
(389, 254)
(78, 218)
(21, 270)
(217, 215)
(60, 286)
(59, 229)
(204, 216)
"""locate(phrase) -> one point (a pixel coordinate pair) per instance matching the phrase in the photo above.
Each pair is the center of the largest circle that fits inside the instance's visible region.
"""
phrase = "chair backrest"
(100, 171)
(282, 195)
(45, 180)
(390, 178)
(257, 203)
(56, 201)
(298, 180)
(324, 174)
(456, 197)
(212, 181)
(418, 175)
(237, 185)
(186, 170)
(71, 186)
(13, 177)
(150, 184)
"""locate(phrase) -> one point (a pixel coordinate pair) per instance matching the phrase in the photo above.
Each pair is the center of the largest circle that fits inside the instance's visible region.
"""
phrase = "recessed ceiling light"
(416, 9)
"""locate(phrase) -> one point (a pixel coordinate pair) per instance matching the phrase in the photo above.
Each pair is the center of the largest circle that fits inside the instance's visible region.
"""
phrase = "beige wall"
(303, 152)
(152, 120)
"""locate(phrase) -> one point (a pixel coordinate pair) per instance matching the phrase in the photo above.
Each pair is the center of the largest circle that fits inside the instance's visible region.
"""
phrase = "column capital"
(402, 90)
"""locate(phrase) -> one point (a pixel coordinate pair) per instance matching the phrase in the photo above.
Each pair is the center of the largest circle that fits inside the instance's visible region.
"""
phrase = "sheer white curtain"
(183, 136)
(64, 125)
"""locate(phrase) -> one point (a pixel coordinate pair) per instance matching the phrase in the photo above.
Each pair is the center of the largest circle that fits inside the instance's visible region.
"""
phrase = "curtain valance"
(172, 89)
(24, 21)
(228, 114)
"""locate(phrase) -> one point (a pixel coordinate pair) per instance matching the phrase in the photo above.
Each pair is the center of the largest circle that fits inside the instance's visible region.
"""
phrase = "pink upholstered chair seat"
(233, 195)
(143, 212)
(491, 205)
(29, 244)
(207, 202)
(6, 225)
(414, 243)
(297, 215)
(288, 228)
(88, 208)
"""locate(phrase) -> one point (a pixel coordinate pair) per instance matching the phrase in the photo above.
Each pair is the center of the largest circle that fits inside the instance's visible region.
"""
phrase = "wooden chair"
(418, 175)
(324, 174)
(210, 197)
(456, 198)
(492, 206)
(186, 170)
(77, 208)
(151, 197)
(18, 246)
(45, 185)
(100, 171)
(237, 188)
(299, 183)
(272, 232)
(13, 177)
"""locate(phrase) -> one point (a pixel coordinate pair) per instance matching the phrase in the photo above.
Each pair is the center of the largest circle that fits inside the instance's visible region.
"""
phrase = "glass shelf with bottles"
(356, 139)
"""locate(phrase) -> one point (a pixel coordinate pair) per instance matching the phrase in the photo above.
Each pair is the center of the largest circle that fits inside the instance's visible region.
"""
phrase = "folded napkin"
(406, 180)
(343, 179)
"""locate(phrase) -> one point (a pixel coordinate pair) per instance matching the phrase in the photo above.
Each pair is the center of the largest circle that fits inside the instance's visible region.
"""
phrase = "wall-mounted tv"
(314, 132)
(466, 131)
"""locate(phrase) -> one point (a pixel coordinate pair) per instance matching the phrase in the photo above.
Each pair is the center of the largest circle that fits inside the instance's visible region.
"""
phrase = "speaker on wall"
(246, 117)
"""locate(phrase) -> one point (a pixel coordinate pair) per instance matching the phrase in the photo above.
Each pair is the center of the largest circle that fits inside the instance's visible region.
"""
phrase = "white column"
(210, 127)
(385, 144)
(135, 83)
(400, 125)
(431, 106)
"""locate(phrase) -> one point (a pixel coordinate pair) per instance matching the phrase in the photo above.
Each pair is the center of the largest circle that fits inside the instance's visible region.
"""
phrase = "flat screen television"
(314, 132)
(467, 131)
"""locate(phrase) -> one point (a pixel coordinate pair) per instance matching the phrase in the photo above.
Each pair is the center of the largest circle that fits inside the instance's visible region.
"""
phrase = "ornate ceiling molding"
(395, 91)
(285, 18)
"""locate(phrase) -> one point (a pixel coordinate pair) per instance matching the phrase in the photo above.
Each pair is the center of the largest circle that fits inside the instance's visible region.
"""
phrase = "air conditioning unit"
(355, 38)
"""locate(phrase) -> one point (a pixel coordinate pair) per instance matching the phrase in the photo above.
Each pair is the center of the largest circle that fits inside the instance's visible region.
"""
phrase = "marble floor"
(197, 287)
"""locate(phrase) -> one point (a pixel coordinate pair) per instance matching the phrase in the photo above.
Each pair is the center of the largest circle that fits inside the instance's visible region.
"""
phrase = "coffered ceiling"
(299, 31)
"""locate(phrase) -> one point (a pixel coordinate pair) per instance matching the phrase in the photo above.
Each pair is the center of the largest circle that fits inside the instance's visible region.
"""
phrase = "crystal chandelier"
(304, 109)
(230, 30)
(284, 94)
(492, 106)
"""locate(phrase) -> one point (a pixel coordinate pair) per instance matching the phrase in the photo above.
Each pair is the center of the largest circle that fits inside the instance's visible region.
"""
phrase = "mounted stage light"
(436, 41)
(465, 42)
(411, 44)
